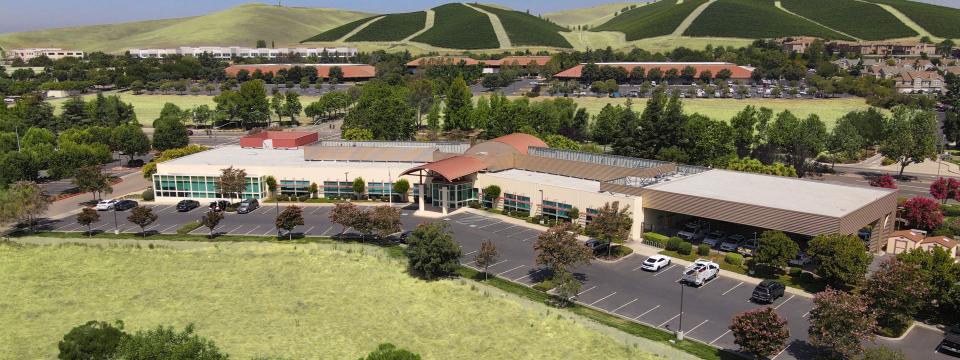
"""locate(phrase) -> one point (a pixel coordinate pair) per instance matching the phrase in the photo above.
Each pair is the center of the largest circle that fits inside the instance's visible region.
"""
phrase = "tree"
(883, 181)
(92, 179)
(289, 218)
(558, 249)
(775, 249)
(165, 343)
(250, 103)
(843, 259)
(796, 138)
(400, 187)
(421, 96)
(94, 340)
(169, 133)
(760, 332)
(708, 142)
(611, 224)
(142, 216)
(384, 220)
(840, 322)
(432, 253)
(278, 105)
(459, 106)
(271, 184)
(846, 140)
(358, 187)
(910, 136)
(131, 140)
(486, 256)
(943, 189)
(292, 106)
(606, 124)
(344, 214)
(383, 109)
(897, 292)
(941, 274)
(922, 213)
(210, 220)
(567, 286)
(261, 44)
(87, 217)
(433, 117)
(24, 201)
(491, 194)
(232, 181)
(390, 352)
(335, 76)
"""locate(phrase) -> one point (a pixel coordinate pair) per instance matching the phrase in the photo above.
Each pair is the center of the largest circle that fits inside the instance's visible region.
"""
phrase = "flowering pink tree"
(896, 291)
(883, 181)
(943, 189)
(922, 213)
(760, 331)
(840, 322)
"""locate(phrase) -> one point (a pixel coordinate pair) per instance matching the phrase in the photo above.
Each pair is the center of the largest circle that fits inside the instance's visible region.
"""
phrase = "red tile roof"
(518, 60)
(737, 72)
(920, 238)
(350, 71)
(451, 168)
(520, 141)
(280, 139)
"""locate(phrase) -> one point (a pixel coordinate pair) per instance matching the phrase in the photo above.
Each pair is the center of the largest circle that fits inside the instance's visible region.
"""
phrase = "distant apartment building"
(866, 48)
(229, 52)
(911, 82)
(52, 53)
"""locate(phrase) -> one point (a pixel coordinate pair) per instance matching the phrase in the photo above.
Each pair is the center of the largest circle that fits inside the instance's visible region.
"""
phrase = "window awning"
(451, 168)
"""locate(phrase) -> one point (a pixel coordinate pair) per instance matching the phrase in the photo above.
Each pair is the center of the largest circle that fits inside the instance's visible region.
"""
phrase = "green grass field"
(327, 301)
(393, 27)
(656, 19)
(829, 110)
(939, 20)
(241, 25)
(863, 20)
(457, 26)
(339, 31)
(526, 29)
(753, 19)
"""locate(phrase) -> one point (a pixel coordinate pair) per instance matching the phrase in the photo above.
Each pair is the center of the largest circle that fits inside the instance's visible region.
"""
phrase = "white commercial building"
(53, 53)
(229, 52)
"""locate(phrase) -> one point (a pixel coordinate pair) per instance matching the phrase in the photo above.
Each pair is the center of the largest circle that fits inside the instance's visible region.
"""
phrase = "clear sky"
(22, 15)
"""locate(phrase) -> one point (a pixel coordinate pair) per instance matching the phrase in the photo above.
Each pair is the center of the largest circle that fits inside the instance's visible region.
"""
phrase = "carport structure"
(790, 205)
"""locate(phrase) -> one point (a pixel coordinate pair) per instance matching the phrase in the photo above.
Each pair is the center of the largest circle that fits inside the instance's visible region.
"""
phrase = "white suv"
(714, 238)
(104, 205)
(732, 243)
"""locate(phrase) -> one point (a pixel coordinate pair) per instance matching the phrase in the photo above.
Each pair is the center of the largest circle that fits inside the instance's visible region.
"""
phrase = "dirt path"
(427, 26)
(780, 6)
(497, 27)
(690, 18)
(905, 20)
(361, 27)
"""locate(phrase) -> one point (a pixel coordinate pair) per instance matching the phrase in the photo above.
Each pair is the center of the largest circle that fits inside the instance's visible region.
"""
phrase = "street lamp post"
(680, 329)
(542, 206)
(346, 177)
(116, 224)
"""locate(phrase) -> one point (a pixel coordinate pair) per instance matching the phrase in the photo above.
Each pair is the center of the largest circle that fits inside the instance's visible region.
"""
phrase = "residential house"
(918, 82)
(907, 240)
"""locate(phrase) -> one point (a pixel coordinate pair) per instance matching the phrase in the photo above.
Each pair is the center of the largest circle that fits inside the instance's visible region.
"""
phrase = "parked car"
(732, 243)
(104, 205)
(714, 238)
(951, 342)
(655, 263)
(187, 205)
(400, 237)
(768, 291)
(247, 205)
(801, 260)
(219, 205)
(747, 248)
(692, 231)
(700, 272)
(125, 205)
(595, 245)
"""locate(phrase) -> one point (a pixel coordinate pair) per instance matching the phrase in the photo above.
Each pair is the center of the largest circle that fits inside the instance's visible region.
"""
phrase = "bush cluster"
(685, 248)
(733, 259)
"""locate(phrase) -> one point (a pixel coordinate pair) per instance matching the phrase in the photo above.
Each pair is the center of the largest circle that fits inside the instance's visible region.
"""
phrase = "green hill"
(392, 27)
(591, 16)
(939, 20)
(657, 19)
(863, 20)
(241, 25)
(457, 26)
(339, 31)
(754, 19)
(526, 29)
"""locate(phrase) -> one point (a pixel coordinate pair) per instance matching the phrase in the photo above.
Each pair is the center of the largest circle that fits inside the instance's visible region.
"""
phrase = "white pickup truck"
(700, 272)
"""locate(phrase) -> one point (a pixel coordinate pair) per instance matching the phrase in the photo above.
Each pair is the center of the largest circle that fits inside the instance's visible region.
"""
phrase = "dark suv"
(768, 291)
(125, 205)
(219, 205)
(247, 205)
(951, 342)
(187, 205)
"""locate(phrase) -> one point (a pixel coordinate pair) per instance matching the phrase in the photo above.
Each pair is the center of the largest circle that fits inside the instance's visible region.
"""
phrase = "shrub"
(655, 239)
(887, 161)
(673, 243)
(685, 248)
(703, 250)
(432, 252)
(390, 352)
(733, 259)
(147, 195)
(168, 343)
(545, 285)
(93, 340)
(620, 251)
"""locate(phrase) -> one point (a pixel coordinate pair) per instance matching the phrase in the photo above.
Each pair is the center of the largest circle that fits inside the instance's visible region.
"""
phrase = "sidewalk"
(928, 167)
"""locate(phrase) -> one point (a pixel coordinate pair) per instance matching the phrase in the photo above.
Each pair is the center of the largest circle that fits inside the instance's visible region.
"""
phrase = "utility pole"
(680, 329)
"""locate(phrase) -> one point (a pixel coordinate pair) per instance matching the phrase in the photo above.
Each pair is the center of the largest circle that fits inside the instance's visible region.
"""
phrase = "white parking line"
(665, 270)
(669, 320)
(784, 302)
(315, 210)
(527, 275)
(647, 312)
(168, 228)
(273, 229)
(805, 314)
(718, 337)
(235, 229)
(326, 231)
(731, 289)
(622, 306)
(308, 230)
(603, 298)
(695, 327)
(591, 288)
(63, 226)
(510, 270)
(504, 229)
(251, 230)
(490, 224)
(532, 237)
(781, 352)
(470, 252)
(497, 263)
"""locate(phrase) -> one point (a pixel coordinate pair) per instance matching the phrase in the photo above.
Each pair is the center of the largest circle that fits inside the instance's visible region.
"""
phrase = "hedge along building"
(539, 181)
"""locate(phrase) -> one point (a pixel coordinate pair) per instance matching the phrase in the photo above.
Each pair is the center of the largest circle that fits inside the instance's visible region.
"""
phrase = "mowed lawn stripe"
(457, 26)
(754, 19)
(526, 29)
(392, 27)
(656, 19)
(863, 20)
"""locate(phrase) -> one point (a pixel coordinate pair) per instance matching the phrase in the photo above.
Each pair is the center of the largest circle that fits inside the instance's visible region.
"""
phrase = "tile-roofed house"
(441, 60)
(907, 240)
(918, 82)
(354, 72)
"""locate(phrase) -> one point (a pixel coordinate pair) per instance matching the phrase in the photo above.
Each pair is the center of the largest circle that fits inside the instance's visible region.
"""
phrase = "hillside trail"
(779, 5)
(690, 18)
(427, 26)
(905, 20)
(497, 27)
(358, 28)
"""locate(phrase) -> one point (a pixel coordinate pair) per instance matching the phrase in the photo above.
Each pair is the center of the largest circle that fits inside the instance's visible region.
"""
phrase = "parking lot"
(618, 287)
